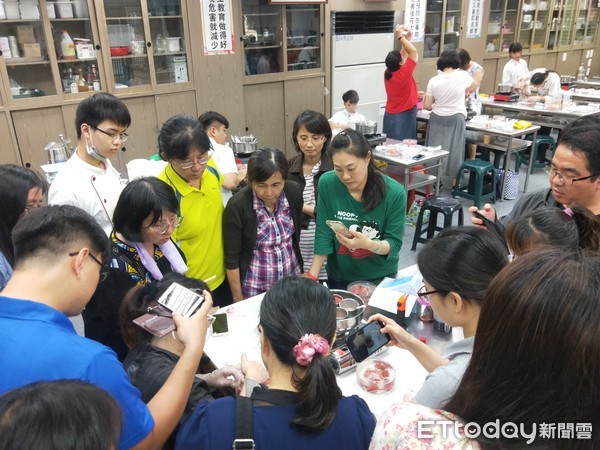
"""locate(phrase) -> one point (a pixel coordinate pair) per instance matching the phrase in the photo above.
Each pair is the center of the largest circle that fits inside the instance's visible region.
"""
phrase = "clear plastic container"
(364, 289)
(376, 376)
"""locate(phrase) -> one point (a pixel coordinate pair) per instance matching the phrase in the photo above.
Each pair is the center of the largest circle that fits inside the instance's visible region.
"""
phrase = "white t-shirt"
(514, 71)
(449, 92)
(88, 187)
(550, 88)
(225, 162)
(344, 117)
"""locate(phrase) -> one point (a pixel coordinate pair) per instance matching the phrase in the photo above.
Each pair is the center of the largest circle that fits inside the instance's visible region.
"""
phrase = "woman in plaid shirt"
(261, 227)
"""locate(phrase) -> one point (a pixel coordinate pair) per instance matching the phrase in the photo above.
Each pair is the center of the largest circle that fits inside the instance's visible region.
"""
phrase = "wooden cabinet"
(280, 39)
(115, 50)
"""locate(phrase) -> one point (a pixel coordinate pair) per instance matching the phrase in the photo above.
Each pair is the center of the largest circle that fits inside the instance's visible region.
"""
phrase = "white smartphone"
(339, 227)
(180, 299)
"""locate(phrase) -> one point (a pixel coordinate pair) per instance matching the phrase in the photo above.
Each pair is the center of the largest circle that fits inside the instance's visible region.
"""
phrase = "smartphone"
(418, 157)
(178, 298)
(492, 226)
(220, 327)
(367, 340)
(339, 227)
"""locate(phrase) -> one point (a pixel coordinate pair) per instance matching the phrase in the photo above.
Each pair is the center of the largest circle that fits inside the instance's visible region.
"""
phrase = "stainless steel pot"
(57, 152)
(354, 313)
(367, 128)
(566, 79)
(504, 88)
(244, 145)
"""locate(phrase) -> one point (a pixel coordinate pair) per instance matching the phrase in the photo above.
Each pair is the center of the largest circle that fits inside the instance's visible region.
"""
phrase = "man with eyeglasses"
(574, 174)
(59, 252)
(88, 179)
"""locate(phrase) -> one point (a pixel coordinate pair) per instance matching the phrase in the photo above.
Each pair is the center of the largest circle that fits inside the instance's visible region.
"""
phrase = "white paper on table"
(407, 281)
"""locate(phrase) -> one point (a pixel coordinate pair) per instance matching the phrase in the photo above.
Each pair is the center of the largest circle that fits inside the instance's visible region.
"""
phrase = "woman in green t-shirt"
(370, 204)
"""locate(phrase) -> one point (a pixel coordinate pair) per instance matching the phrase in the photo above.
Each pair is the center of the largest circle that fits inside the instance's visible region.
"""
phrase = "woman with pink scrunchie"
(303, 406)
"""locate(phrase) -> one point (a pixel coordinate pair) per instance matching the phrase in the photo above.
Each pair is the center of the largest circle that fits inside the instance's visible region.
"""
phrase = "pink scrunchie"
(307, 346)
(568, 212)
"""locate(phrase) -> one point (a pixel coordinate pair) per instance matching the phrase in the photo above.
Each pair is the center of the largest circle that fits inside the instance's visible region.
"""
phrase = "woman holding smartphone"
(456, 292)
(369, 204)
(303, 407)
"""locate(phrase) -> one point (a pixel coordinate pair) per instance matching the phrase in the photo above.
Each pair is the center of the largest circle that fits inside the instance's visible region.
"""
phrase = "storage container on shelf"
(80, 8)
(64, 10)
(12, 10)
(50, 7)
(29, 10)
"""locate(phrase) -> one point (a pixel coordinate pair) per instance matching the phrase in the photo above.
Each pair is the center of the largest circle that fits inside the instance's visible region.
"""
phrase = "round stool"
(474, 189)
(435, 205)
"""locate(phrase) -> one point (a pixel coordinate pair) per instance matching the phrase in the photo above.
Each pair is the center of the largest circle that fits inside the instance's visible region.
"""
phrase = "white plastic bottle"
(67, 46)
(580, 73)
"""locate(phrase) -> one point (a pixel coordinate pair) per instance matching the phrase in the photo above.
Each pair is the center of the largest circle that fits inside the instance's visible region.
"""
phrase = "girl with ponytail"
(370, 204)
(303, 407)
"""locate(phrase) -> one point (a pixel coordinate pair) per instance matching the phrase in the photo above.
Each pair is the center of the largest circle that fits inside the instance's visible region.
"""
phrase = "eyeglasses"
(566, 179)
(103, 268)
(188, 165)
(314, 139)
(164, 228)
(113, 136)
(424, 295)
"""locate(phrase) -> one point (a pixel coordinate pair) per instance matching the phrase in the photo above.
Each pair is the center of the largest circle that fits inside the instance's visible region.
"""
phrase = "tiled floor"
(537, 180)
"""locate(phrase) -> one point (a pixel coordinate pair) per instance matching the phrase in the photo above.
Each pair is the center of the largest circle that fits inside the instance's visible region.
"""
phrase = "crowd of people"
(525, 294)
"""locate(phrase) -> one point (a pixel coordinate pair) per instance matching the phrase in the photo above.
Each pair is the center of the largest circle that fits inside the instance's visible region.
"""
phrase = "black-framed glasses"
(424, 295)
(103, 268)
(189, 164)
(164, 228)
(566, 179)
(113, 136)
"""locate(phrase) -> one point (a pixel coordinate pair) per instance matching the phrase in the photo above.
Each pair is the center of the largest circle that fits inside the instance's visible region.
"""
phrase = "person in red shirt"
(400, 118)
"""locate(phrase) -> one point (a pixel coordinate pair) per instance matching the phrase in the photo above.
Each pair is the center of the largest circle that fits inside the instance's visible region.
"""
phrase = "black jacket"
(297, 175)
(240, 225)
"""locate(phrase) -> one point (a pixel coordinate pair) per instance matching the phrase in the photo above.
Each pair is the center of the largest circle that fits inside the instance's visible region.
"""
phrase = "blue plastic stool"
(474, 189)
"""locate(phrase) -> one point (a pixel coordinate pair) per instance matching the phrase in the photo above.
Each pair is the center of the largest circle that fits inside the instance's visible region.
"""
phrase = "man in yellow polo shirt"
(197, 184)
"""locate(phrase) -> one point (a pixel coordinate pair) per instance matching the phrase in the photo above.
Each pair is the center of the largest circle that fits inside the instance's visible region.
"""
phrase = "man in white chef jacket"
(348, 117)
(88, 180)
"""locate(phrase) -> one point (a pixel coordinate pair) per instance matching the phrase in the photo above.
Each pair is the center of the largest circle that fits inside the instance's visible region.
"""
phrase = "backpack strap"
(244, 424)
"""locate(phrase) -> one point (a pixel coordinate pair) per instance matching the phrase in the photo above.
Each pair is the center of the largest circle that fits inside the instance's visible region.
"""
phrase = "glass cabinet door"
(303, 37)
(168, 37)
(262, 37)
(452, 24)
(502, 25)
(127, 43)
(567, 23)
(25, 50)
(592, 24)
(534, 20)
(75, 46)
(442, 27)
(433, 29)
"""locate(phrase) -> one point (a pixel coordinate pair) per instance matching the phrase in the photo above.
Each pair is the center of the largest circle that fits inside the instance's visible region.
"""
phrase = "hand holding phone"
(365, 341)
(339, 227)
(178, 298)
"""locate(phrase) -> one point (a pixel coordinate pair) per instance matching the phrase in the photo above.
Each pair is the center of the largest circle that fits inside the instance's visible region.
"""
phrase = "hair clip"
(158, 310)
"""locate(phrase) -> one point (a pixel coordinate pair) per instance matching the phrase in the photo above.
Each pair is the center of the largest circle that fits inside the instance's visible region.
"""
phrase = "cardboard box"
(31, 50)
(25, 34)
